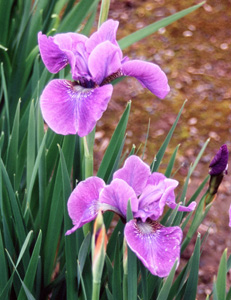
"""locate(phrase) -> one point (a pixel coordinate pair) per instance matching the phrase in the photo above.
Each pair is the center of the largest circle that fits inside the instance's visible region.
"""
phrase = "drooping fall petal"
(83, 203)
(68, 108)
(156, 246)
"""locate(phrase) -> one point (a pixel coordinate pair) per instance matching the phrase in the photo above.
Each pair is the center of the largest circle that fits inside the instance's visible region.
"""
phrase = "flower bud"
(219, 163)
(218, 167)
(99, 245)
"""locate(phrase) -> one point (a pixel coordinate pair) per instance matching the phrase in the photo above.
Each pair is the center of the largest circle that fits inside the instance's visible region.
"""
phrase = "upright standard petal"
(149, 74)
(135, 172)
(106, 32)
(156, 246)
(103, 61)
(73, 45)
(83, 203)
(150, 204)
(158, 192)
(68, 108)
(115, 197)
(53, 57)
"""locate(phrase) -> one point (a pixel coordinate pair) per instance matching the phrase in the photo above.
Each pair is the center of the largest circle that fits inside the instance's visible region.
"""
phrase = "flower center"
(148, 227)
(87, 84)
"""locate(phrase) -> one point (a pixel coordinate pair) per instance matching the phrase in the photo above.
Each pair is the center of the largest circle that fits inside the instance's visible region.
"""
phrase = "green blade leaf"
(171, 162)
(164, 292)
(132, 264)
(75, 17)
(31, 140)
(191, 287)
(148, 30)
(12, 151)
(221, 277)
(70, 241)
(116, 276)
(110, 155)
(156, 162)
(3, 265)
(32, 268)
(34, 174)
(55, 219)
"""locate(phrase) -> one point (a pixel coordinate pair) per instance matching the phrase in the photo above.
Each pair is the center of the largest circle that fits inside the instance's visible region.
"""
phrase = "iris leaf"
(221, 277)
(150, 29)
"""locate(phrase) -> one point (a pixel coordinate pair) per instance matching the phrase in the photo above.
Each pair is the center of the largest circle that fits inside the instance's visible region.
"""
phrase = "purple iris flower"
(155, 245)
(71, 107)
(219, 163)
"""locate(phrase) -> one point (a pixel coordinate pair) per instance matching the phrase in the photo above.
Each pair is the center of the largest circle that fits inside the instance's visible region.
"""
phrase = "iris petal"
(104, 61)
(69, 109)
(135, 172)
(83, 204)
(106, 32)
(115, 197)
(149, 74)
(156, 246)
(58, 106)
(91, 103)
(53, 57)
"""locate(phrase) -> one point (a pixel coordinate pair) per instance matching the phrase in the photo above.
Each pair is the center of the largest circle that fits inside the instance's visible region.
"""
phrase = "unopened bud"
(218, 167)
(99, 245)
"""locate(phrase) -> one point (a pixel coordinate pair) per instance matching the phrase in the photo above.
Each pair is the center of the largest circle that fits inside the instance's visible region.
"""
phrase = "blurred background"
(195, 53)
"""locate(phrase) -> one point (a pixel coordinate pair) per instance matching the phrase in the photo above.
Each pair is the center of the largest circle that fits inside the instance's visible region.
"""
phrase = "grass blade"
(221, 277)
(148, 30)
(155, 164)
(115, 144)
(191, 287)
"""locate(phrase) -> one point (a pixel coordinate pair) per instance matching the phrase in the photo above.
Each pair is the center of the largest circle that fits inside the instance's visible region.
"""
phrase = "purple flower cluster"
(155, 245)
(71, 107)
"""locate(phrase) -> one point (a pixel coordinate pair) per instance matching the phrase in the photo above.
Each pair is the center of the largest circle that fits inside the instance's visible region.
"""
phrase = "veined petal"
(106, 32)
(135, 172)
(149, 74)
(91, 103)
(83, 203)
(103, 61)
(158, 192)
(58, 106)
(73, 45)
(115, 197)
(156, 246)
(53, 57)
(189, 208)
(69, 40)
(68, 108)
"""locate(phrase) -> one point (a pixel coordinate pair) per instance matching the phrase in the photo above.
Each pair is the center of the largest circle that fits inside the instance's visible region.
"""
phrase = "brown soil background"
(195, 54)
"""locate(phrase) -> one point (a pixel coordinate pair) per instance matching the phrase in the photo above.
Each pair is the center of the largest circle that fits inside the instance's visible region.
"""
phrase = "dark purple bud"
(219, 164)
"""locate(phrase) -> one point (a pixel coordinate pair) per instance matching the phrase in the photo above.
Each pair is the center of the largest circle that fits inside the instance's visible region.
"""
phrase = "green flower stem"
(125, 287)
(105, 4)
(96, 290)
(87, 165)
